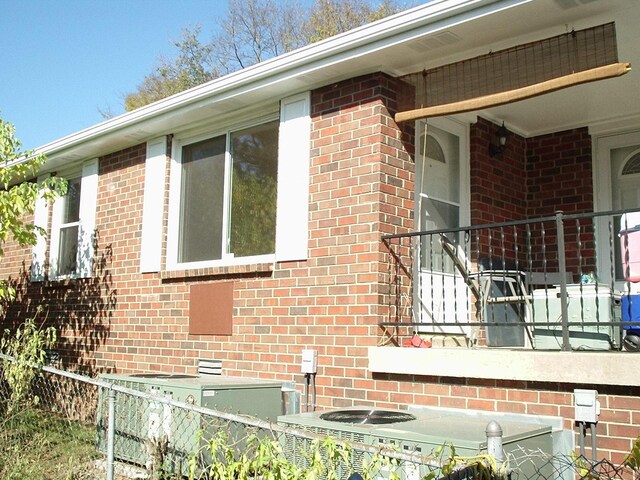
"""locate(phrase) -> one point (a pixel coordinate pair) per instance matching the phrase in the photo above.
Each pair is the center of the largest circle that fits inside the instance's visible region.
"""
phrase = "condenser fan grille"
(367, 416)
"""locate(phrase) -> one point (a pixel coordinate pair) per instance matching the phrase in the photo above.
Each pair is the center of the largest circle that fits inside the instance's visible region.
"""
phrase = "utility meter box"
(309, 362)
(587, 405)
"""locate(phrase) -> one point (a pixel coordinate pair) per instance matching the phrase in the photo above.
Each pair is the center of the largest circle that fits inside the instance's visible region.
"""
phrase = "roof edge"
(423, 15)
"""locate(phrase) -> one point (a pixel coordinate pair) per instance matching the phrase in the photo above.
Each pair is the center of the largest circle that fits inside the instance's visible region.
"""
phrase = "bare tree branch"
(253, 31)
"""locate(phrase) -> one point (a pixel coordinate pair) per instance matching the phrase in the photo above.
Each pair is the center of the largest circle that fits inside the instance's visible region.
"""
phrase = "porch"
(542, 287)
(561, 283)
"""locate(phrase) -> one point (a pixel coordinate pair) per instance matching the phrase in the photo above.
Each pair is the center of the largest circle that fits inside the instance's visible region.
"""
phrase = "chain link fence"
(85, 428)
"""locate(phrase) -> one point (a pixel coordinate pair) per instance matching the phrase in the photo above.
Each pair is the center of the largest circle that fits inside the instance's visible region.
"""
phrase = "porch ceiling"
(594, 104)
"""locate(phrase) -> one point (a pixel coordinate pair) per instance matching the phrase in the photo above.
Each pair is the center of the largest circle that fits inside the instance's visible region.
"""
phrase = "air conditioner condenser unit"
(422, 434)
(140, 420)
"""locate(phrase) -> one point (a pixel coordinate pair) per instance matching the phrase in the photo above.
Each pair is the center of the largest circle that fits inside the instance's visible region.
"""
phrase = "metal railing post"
(111, 430)
(562, 268)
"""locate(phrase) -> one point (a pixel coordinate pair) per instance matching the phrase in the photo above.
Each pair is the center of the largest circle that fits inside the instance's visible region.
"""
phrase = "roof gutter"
(399, 27)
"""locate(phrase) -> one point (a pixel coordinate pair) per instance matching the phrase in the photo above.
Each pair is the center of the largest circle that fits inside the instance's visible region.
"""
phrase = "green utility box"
(140, 419)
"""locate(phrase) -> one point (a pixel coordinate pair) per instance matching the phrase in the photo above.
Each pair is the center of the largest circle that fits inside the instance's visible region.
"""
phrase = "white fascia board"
(392, 30)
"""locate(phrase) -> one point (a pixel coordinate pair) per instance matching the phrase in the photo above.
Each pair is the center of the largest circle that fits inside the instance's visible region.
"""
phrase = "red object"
(416, 342)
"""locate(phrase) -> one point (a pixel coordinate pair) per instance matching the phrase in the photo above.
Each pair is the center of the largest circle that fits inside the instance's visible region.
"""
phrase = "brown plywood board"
(211, 309)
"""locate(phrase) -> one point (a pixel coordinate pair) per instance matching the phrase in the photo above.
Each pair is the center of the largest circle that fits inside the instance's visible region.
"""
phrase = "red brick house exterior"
(361, 187)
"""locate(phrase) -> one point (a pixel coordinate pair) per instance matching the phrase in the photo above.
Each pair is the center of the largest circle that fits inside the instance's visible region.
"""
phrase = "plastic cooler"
(630, 245)
(586, 303)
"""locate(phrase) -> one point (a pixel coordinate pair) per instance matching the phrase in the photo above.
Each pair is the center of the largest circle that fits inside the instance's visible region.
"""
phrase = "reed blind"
(511, 69)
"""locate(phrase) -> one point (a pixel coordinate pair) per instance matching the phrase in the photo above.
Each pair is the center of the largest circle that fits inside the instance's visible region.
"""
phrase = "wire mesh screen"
(512, 68)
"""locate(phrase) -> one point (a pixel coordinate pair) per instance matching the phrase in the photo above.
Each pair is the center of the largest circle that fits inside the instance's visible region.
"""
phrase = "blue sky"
(62, 61)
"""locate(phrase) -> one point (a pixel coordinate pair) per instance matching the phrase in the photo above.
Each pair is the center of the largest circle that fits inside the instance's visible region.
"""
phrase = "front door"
(441, 298)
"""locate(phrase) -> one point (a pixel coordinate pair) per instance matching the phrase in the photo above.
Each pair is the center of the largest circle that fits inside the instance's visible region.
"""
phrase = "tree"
(253, 31)
(18, 197)
(193, 66)
(18, 192)
(256, 30)
(332, 17)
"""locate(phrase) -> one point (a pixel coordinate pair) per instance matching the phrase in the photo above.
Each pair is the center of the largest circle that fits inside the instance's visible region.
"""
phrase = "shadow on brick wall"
(80, 309)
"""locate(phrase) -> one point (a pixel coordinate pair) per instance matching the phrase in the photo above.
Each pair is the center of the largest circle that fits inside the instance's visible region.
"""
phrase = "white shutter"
(39, 253)
(56, 218)
(294, 151)
(88, 203)
(154, 183)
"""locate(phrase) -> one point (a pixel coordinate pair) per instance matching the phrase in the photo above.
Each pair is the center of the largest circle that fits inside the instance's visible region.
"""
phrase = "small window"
(69, 229)
(73, 224)
(632, 166)
(434, 150)
(254, 187)
(202, 189)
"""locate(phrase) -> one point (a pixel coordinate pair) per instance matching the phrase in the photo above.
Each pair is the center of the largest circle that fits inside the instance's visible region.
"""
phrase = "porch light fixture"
(500, 141)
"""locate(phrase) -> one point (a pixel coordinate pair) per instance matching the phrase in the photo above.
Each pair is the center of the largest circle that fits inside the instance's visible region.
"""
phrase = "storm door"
(441, 297)
(625, 187)
(618, 158)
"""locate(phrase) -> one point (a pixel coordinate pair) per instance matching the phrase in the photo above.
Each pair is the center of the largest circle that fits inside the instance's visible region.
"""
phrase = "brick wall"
(559, 173)
(498, 186)
(361, 187)
(560, 178)
(533, 177)
(498, 183)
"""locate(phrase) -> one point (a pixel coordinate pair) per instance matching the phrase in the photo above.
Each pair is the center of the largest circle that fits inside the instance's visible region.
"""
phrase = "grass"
(38, 445)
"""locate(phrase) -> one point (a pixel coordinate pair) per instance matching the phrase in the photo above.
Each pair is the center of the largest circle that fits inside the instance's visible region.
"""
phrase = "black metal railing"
(564, 282)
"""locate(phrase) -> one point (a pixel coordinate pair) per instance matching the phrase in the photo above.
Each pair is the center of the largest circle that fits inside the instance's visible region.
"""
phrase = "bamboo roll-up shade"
(511, 69)
(510, 96)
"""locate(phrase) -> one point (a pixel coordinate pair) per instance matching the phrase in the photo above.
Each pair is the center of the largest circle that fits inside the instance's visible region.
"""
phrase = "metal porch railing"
(564, 282)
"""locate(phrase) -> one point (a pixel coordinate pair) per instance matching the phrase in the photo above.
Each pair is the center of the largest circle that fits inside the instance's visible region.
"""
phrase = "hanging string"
(422, 174)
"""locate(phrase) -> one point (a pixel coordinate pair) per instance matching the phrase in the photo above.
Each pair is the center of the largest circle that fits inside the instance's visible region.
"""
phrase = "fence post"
(562, 268)
(494, 443)
(111, 431)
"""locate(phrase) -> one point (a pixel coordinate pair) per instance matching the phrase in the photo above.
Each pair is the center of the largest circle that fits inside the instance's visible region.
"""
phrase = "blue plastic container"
(630, 312)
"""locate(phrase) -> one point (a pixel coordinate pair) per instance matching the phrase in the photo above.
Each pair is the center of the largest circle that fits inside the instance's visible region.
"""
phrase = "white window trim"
(39, 252)
(153, 206)
(292, 211)
(175, 180)
(86, 223)
(294, 162)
